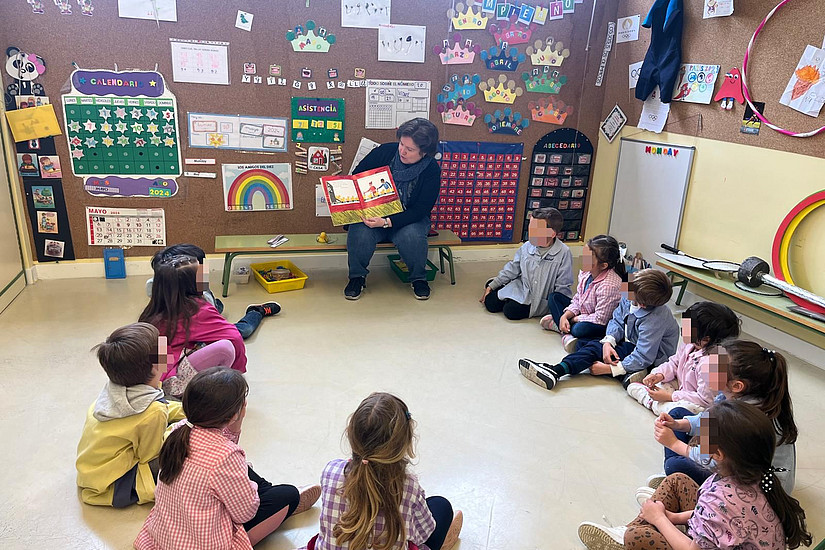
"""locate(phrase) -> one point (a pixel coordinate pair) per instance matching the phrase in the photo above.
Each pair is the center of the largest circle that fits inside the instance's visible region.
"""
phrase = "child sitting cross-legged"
(642, 333)
(117, 457)
(741, 506)
(540, 273)
(679, 381)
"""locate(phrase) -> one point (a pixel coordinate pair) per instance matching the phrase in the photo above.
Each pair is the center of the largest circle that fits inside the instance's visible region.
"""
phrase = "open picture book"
(369, 194)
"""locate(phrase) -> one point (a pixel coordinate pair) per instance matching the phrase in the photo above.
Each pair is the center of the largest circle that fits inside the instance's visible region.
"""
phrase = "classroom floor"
(525, 465)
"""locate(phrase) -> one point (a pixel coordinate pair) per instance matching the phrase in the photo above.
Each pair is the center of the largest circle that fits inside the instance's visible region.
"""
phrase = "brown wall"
(196, 214)
(723, 41)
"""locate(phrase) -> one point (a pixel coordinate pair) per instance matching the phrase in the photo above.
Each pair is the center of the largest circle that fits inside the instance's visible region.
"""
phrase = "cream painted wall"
(737, 197)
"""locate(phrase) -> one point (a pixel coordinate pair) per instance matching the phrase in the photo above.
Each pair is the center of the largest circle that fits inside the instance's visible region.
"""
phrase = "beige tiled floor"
(525, 465)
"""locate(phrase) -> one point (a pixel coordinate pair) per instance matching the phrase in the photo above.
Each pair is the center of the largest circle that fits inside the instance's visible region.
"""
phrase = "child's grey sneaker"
(655, 480)
(643, 494)
(634, 378)
(569, 342)
(600, 537)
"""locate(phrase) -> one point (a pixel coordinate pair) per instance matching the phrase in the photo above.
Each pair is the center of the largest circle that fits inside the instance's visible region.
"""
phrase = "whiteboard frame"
(690, 148)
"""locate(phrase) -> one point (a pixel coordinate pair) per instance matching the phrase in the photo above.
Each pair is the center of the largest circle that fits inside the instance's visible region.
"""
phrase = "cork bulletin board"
(196, 212)
(723, 41)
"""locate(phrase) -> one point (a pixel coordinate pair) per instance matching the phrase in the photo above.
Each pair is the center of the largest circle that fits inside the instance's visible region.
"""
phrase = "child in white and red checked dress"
(370, 500)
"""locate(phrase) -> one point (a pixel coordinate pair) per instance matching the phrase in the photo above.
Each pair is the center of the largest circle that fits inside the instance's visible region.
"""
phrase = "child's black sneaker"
(633, 378)
(354, 288)
(421, 289)
(538, 373)
(267, 309)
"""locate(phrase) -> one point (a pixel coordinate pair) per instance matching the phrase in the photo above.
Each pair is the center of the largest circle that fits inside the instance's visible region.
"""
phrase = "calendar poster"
(560, 177)
(200, 61)
(126, 226)
(479, 187)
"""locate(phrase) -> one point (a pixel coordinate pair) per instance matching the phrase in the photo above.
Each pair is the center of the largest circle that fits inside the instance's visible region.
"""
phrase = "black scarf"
(406, 175)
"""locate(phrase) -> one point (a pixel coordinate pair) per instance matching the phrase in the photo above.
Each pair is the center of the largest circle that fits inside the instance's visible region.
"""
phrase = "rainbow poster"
(257, 187)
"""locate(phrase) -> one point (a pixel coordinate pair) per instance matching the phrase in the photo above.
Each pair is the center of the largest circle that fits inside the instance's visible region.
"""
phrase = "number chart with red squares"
(479, 188)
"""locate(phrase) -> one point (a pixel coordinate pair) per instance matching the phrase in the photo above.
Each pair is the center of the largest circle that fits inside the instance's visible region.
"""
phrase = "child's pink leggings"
(216, 354)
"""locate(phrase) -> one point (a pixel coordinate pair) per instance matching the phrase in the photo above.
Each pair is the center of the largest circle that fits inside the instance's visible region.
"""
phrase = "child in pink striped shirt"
(679, 381)
(597, 295)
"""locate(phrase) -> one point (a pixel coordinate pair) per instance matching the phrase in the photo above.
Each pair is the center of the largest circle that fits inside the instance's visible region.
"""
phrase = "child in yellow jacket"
(125, 427)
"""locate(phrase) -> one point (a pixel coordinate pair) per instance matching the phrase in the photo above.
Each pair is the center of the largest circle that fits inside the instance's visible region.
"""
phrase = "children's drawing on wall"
(43, 196)
(730, 90)
(153, 10)
(717, 8)
(27, 165)
(47, 222)
(401, 43)
(365, 15)
(49, 166)
(805, 91)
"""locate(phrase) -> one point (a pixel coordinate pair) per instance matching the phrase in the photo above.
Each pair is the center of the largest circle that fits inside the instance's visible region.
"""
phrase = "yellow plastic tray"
(280, 286)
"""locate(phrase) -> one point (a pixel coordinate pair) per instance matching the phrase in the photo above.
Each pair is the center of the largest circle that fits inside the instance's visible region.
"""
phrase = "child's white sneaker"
(638, 392)
(599, 537)
(643, 494)
(547, 323)
(655, 480)
(569, 342)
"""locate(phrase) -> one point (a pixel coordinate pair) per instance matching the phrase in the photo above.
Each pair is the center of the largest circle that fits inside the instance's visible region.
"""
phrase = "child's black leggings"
(442, 512)
(274, 498)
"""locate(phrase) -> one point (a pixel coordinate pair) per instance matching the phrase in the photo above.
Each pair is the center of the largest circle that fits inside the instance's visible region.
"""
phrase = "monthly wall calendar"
(126, 226)
(560, 177)
(479, 187)
(390, 103)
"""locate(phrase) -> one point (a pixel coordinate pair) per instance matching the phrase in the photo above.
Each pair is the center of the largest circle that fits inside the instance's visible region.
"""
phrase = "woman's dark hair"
(128, 355)
(746, 439)
(175, 295)
(713, 321)
(211, 399)
(606, 250)
(423, 133)
(765, 375)
(183, 249)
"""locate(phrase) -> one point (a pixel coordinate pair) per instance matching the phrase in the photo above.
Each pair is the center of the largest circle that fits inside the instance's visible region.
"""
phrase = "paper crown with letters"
(512, 32)
(459, 88)
(502, 59)
(547, 53)
(467, 19)
(307, 40)
(545, 82)
(552, 111)
(458, 112)
(456, 54)
(503, 92)
(506, 122)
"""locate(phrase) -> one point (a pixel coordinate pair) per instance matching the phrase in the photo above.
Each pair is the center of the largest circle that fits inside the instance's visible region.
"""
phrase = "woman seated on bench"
(418, 177)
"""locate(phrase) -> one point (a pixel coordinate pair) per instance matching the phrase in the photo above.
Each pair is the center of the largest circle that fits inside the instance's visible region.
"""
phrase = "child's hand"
(487, 290)
(661, 395)
(600, 369)
(652, 379)
(653, 511)
(564, 325)
(664, 435)
(609, 354)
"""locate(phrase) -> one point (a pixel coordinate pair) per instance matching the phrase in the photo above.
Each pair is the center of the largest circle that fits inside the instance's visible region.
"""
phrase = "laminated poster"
(696, 83)
(390, 103)
(200, 61)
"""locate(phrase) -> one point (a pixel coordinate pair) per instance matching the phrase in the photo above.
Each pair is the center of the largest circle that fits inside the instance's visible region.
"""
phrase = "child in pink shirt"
(198, 336)
(679, 381)
(597, 295)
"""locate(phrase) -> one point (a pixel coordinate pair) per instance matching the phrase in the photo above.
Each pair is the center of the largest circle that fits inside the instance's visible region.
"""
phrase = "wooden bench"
(775, 305)
(253, 245)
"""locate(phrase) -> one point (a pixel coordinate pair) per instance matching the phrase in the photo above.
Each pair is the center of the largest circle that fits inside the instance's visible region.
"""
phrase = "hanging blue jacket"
(664, 56)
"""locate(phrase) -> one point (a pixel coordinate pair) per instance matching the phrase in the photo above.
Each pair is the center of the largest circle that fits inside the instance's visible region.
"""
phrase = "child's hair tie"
(364, 461)
(188, 423)
(409, 415)
(766, 483)
(771, 355)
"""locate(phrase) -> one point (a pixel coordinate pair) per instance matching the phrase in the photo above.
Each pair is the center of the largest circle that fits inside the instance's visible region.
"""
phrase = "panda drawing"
(24, 68)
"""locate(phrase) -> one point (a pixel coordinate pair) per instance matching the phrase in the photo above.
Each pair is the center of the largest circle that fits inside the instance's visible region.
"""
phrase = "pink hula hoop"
(759, 115)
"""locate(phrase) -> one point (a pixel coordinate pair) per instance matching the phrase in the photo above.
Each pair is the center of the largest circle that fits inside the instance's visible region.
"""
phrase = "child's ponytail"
(606, 250)
(787, 509)
(212, 399)
(765, 375)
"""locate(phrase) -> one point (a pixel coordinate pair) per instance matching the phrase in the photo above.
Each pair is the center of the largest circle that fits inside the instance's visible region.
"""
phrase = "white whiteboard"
(649, 196)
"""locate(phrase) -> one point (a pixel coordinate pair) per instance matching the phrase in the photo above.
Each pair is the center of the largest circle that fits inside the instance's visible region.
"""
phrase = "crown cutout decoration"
(550, 55)
(503, 92)
(506, 122)
(456, 88)
(466, 20)
(456, 55)
(309, 40)
(513, 33)
(501, 59)
(550, 111)
(546, 82)
(458, 113)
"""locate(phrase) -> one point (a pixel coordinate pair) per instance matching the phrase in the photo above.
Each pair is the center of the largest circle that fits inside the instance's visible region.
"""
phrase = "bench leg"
(227, 271)
(681, 284)
(449, 255)
(441, 258)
